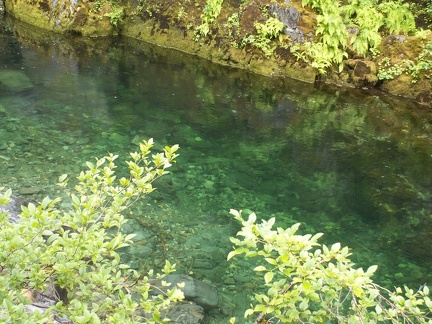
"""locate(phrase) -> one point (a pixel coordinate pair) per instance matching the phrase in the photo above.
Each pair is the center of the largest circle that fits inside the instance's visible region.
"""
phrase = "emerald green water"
(355, 165)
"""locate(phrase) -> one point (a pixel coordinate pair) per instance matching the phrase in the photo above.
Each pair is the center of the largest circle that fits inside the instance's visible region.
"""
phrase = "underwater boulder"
(194, 290)
(15, 80)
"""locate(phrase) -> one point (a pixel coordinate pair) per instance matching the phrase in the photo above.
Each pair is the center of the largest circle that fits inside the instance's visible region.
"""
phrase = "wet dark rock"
(185, 313)
(203, 264)
(13, 208)
(363, 73)
(289, 16)
(42, 300)
(395, 38)
(424, 97)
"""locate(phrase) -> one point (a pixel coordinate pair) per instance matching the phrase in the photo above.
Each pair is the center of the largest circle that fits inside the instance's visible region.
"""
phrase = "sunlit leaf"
(268, 277)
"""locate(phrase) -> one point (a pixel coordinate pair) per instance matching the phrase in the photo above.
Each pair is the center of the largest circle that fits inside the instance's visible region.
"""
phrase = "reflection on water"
(356, 166)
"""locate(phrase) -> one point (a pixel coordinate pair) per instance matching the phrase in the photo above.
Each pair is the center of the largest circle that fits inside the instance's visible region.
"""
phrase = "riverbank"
(231, 37)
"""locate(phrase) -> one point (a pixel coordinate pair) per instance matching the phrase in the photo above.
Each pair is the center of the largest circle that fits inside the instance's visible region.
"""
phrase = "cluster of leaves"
(74, 246)
(232, 24)
(211, 11)
(116, 13)
(428, 12)
(267, 32)
(355, 26)
(311, 283)
(421, 65)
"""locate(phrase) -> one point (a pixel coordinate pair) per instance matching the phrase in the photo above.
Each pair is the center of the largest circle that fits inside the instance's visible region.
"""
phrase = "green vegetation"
(354, 26)
(422, 64)
(116, 12)
(211, 11)
(352, 29)
(321, 34)
(116, 15)
(428, 12)
(266, 36)
(311, 283)
(267, 32)
(74, 246)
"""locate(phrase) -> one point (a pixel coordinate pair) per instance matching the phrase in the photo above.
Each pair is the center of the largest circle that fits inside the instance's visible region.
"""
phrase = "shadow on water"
(355, 165)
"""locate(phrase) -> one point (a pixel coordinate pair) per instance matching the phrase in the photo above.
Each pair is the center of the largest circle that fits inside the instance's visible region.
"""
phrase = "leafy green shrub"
(318, 55)
(307, 282)
(267, 32)
(116, 15)
(428, 13)
(368, 21)
(398, 17)
(75, 248)
(365, 18)
(421, 65)
(211, 11)
(387, 71)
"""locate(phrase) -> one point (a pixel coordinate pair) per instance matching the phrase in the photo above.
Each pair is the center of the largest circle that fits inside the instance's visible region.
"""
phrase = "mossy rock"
(15, 80)
(67, 16)
(398, 50)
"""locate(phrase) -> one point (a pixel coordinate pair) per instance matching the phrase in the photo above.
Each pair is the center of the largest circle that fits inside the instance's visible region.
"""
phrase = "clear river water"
(353, 164)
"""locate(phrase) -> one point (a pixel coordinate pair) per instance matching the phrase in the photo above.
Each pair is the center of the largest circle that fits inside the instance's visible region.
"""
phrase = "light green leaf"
(371, 270)
(90, 165)
(63, 177)
(47, 232)
(249, 312)
(232, 254)
(45, 202)
(271, 261)
(129, 237)
(358, 291)
(306, 285)
(336, 247)
(378, 309)
(75, 200)
(268, 277)
(251, 219)
(31, 208)
(304, 305)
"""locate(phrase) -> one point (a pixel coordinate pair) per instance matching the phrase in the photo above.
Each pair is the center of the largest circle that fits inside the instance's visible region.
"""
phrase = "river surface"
(353, 164)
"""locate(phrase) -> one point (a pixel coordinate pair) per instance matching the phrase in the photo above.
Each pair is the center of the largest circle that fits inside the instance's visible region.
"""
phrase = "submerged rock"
(194, 290)
(15, 80)
(28, 190)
